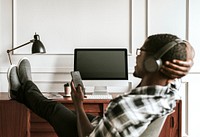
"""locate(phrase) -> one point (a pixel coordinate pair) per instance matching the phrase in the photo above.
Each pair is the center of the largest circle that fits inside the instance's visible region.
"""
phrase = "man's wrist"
(79, 108)
(80, 111)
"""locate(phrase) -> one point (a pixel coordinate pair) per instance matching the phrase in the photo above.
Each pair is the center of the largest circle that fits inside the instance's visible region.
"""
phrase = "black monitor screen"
(101, 64)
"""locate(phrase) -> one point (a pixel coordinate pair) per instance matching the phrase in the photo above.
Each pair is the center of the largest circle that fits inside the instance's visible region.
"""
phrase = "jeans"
(61, 118)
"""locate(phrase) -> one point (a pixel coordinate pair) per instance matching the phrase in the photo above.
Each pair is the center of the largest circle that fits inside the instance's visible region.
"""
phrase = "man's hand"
(176, 68)
(77, 96)
(84, 126)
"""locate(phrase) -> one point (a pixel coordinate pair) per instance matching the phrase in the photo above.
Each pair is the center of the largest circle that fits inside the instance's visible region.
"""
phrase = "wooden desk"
(18, 121)
(13, 118)
(22, 122)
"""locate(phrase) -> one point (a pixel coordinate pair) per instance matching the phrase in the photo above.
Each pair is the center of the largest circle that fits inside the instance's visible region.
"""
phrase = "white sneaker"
(13, 81)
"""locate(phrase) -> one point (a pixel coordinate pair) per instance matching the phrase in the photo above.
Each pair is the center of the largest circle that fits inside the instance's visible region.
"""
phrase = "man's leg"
(61, 118)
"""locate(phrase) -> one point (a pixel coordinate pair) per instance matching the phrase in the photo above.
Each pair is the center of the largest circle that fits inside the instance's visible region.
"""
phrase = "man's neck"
(154, 79)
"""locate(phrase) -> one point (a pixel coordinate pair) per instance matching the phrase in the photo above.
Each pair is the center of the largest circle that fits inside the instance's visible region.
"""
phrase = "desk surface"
(4, 96)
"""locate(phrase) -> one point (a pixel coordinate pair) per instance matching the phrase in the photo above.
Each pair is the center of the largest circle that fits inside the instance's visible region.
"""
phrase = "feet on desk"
(18, 75)
(24, 70)
(13, 81)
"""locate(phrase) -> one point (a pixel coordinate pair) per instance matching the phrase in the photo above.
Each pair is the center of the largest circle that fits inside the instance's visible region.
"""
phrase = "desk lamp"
(37, 46)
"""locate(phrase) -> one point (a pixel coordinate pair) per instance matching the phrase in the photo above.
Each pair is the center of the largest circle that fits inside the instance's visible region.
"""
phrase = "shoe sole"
(8, 77)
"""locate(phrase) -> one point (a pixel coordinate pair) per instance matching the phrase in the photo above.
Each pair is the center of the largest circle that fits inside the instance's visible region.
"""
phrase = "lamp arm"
(8, 51)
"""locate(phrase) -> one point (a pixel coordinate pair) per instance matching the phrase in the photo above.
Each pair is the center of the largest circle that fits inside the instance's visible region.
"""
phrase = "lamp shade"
(37, 46)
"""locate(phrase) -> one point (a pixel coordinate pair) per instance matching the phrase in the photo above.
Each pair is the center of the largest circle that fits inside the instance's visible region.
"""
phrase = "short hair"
(155, 42)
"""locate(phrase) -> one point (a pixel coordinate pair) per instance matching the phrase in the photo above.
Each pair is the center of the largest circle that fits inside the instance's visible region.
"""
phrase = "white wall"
(67, 24)
(180, 17)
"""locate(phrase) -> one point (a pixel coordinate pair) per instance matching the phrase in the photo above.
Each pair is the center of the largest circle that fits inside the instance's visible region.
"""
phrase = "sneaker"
(13, 81)
(24, 70)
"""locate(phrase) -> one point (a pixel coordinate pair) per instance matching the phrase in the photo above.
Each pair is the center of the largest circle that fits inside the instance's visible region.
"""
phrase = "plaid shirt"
(129, 115)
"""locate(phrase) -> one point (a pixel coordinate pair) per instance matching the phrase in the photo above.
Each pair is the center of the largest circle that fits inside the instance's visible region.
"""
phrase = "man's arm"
(83, 124)
(176, 68)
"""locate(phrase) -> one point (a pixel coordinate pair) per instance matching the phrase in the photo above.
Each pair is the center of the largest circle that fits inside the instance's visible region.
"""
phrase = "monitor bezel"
(103, 49)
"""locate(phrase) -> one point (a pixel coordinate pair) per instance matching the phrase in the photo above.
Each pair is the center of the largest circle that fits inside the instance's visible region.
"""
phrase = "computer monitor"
(101, 64)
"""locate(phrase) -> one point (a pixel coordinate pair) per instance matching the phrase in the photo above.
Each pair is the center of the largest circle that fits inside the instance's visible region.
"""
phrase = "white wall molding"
(85, 24)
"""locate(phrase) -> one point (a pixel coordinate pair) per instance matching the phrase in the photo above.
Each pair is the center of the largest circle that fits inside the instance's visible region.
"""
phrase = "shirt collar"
(157, 89)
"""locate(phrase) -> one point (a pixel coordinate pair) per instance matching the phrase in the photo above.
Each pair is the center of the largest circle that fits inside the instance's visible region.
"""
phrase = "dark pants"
(61, 118)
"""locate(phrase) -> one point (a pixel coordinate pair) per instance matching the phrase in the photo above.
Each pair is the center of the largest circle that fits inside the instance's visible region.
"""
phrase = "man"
(127, 115)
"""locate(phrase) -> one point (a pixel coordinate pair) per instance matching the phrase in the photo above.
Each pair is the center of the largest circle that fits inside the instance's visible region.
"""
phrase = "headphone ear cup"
(152, 65)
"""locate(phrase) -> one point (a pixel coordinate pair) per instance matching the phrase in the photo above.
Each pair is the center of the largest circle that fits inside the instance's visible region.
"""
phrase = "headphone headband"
(167, 47)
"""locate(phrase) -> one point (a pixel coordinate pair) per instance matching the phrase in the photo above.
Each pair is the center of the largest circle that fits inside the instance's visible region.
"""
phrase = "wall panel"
(167, 17)
(66, 24)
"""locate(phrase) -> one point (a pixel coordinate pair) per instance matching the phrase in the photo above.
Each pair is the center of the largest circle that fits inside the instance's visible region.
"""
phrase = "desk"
(13, 118)
(22, 122)
(18, 121)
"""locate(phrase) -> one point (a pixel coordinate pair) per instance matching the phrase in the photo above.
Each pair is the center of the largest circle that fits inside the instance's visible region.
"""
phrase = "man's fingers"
(172, 73)
(72, 86)
(189, 63)
(174, 67)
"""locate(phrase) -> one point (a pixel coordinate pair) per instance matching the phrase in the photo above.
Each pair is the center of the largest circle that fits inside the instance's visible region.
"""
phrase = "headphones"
(154, 62)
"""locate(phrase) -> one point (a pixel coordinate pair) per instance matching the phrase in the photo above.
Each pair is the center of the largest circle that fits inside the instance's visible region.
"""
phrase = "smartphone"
(76, 77)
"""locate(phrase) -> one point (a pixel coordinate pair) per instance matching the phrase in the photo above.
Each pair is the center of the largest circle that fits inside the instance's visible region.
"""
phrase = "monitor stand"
(100, 90)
